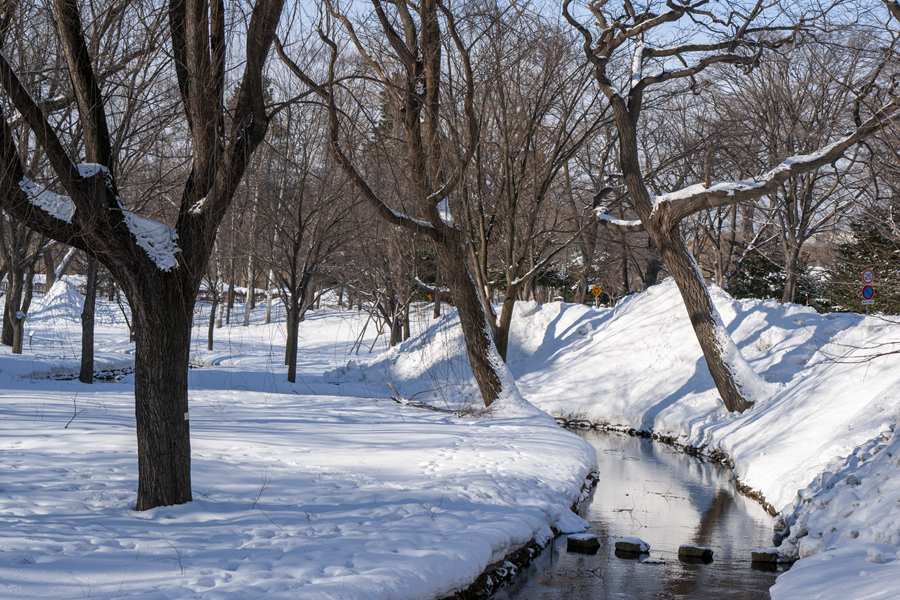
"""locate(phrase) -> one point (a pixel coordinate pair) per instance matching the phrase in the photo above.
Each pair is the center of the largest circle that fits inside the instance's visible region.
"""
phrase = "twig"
(75, 411)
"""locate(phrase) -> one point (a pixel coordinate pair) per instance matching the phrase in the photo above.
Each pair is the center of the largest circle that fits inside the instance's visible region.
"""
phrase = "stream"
(666, 498)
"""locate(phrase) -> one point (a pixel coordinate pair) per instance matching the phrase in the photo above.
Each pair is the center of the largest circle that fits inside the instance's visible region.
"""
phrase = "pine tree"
(870, 248)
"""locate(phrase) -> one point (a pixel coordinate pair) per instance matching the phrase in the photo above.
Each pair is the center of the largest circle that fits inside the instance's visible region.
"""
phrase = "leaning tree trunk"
(722, 356)
(704, 318)
(162, 348)
(86, 375)
(476, 330)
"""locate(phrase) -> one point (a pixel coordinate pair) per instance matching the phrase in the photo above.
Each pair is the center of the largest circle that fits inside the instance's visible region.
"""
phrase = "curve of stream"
(666, 498)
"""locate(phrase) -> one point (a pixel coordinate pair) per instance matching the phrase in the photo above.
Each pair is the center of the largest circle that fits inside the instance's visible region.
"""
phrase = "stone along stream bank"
(668, 499)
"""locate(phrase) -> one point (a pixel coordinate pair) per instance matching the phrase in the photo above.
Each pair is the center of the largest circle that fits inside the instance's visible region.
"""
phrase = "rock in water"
(767, 555)
(695, 552)
(582, 542)
(632, 545)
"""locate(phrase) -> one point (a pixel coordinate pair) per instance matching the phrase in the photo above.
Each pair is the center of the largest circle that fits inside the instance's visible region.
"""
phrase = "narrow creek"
(666, 498)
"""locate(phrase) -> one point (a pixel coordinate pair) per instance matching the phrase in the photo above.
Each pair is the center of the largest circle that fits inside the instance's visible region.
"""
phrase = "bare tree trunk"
(162, 350)
(212, 317)
(86, 375)
(437, 303)
(21, 315)
(230, 302)
(14, 288)
(269, 297)
(791, 269)
(49, 271)
(501, 337)
(476, 330)
(704, 317)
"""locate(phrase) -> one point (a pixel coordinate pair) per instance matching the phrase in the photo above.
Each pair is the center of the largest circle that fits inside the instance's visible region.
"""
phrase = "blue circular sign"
(868, 291)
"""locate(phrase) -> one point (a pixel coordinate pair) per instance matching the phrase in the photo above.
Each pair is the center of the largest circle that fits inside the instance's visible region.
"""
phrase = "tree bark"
(663, 228)
(212, 318)
(476, 330)
(501, 337)
(437, 303)
(791, 268)
(86, 375)
(162, 350)
(14, 289)
(704, 318)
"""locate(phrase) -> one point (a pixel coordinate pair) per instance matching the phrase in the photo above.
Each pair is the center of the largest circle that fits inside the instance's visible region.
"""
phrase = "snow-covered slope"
(835, 387)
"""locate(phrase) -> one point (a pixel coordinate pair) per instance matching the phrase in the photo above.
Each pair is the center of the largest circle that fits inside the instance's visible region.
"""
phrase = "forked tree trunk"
(665, 233)
(86, 375)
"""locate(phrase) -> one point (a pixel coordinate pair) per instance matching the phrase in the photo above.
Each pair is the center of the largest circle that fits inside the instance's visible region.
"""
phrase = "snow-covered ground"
(329, 489)
(300, 491)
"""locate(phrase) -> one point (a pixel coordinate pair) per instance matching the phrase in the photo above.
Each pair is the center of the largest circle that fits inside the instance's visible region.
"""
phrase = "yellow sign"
(596, 290)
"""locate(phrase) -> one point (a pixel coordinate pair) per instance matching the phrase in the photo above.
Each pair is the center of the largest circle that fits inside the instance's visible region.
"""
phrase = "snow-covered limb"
(158, 240)
(432, 288)
(637, 61)
(620, 225)
(56, 205)
(687, 201)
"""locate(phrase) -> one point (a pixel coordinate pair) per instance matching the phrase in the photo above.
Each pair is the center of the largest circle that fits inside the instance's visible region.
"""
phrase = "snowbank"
(834, 394)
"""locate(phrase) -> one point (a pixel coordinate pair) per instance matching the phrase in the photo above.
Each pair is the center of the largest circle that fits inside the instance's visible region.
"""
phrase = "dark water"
(666, 498)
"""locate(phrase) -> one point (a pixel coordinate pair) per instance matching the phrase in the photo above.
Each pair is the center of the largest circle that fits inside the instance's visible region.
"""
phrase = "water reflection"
(667, 499)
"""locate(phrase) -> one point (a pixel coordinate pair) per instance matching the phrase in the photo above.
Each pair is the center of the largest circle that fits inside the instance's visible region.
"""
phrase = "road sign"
(868, 276)
(867, 292)
(868, 302)
(596, 291)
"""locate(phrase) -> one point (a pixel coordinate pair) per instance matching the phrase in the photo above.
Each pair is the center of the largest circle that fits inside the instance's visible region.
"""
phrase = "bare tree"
(536, 113)
(725, 35)
(159, 267)
(403, 48)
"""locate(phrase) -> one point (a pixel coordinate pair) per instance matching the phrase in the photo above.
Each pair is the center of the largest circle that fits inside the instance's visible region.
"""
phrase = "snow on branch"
(687, 201)
(56, 205)
(158, 240)
(432, 288)
(620, 225)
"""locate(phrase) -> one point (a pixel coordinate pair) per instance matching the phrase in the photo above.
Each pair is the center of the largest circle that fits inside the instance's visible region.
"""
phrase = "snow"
(56, 205)
(311, 490)
(159, 241)
(329, 488)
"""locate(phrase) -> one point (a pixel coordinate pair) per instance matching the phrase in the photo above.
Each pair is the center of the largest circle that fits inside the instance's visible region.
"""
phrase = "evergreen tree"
(870, 248)
(758, 277)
